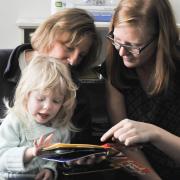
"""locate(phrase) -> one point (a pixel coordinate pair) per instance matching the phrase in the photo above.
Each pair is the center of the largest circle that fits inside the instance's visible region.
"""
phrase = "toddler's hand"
(31, 152)
(41, 143)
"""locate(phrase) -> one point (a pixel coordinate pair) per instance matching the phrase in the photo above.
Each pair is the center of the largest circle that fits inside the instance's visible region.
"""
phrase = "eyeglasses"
(132, 49)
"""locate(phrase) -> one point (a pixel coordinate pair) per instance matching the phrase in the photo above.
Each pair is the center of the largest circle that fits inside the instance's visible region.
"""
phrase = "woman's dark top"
(9, 75)
(162, 110)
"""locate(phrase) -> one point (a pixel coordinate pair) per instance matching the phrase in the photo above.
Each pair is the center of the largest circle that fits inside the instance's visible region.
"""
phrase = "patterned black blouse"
(162, 110)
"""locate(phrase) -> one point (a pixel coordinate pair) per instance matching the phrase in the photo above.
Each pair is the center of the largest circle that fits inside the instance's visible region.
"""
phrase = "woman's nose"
(123, 51)
(74, 57)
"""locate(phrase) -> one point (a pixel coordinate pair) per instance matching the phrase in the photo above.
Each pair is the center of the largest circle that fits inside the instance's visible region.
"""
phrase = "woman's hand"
(45, 174)
(131, 132)
(88, 160)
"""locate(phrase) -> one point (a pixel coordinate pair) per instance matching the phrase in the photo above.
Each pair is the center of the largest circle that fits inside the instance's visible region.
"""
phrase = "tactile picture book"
(110, 158)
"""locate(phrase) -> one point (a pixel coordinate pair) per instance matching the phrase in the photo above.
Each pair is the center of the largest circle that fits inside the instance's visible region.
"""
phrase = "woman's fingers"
(110, 132)
(131, 140)
(124, 130)
(130, 132)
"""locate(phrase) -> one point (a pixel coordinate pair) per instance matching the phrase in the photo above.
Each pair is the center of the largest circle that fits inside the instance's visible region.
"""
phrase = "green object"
(58, 4)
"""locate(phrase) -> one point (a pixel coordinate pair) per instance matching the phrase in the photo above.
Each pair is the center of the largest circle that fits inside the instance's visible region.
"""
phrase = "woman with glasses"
(143, 86)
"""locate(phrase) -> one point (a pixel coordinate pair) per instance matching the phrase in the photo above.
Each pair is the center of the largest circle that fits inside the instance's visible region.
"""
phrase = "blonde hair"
(78, 23)
(46, 73)
(158, 17)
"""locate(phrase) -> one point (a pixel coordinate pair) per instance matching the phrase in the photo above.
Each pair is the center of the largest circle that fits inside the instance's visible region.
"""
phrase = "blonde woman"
(43, 105)
(69, 36)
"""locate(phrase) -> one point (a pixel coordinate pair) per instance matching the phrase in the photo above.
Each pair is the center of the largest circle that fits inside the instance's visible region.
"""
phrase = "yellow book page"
(63, 145)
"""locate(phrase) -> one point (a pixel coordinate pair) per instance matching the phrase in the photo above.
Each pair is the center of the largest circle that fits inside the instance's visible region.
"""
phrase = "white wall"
(12, 10)
(176, 6)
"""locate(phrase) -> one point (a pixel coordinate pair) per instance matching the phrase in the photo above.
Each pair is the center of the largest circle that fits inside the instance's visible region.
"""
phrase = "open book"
(110, 158)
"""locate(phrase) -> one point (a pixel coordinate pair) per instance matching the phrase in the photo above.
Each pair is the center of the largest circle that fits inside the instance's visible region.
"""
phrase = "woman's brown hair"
(158, 16)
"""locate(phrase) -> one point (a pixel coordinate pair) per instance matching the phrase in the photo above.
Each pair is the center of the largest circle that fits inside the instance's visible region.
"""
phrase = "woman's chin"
(129, 64)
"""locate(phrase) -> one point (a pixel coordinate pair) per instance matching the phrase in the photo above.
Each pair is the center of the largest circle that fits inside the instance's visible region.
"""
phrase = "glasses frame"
(118, 46)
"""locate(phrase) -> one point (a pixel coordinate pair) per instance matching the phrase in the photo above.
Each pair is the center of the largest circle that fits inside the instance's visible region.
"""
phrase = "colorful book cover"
(110, 158)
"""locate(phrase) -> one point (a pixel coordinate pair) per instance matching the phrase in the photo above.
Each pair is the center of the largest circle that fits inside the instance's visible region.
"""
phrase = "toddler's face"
(44, 105)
